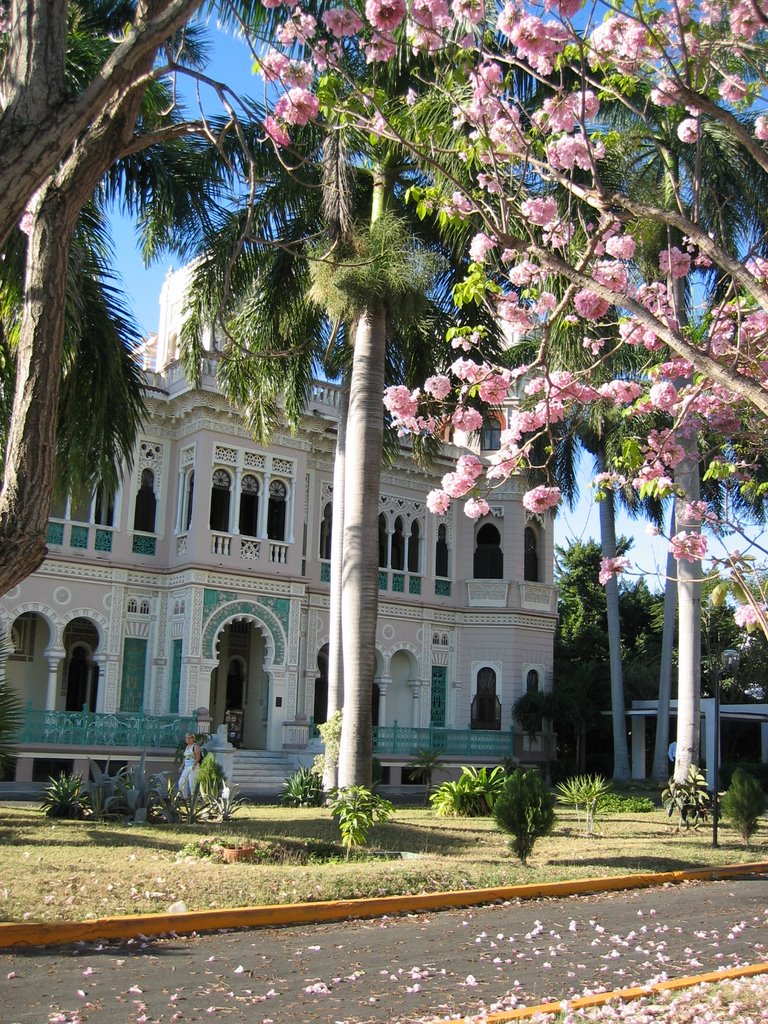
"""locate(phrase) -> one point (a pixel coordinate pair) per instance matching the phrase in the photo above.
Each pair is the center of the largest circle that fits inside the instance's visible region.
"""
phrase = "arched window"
(190, 498)
(532, 681)
(320, 706)
(382, 541)
(249, 505)
(530, 555)
(490, 435)
(489, 558)
(486, 707)
(103, 507)
(413, 547)
(146, 503)
(221, 483)
(326, 526)
(441, 551)
(398, 545)
(276, 508)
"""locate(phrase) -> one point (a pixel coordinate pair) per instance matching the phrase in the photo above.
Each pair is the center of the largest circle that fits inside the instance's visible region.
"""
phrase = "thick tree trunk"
(39, 122)
(360, 589)
(31, 448)
(660, 769)
(335, 627)
(621, 770)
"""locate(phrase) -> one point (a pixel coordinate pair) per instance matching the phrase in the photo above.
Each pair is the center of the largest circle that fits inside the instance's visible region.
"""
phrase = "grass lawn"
(60, 870)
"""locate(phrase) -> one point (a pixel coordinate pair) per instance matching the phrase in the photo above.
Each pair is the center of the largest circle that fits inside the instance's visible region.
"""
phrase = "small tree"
(587, 791)
(326, 764)
(424, 766)
(690, 798)
(743, 803)
(357, 810)
(526, 810)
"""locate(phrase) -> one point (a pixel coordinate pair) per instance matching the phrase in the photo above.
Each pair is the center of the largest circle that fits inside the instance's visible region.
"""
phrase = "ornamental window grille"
(397, 557)
(414, 547)
(326, 528)
(441, 551)
(530, 555)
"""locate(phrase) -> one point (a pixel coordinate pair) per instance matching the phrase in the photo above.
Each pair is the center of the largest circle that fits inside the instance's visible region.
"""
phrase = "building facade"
(201, 592)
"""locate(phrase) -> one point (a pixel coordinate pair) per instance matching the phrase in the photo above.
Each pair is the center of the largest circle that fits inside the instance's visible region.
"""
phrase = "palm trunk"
(660, 770)
(360, 584)
(335, 629)
(621, 770)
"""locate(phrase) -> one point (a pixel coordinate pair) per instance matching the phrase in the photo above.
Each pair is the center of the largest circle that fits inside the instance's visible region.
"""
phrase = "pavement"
(415, 967)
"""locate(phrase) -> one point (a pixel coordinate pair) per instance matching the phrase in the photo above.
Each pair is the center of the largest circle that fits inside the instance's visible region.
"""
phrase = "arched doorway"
(80, 681)
(240, 686)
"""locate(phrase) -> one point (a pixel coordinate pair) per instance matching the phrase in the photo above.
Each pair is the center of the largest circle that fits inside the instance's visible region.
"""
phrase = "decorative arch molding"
(101, 622)
(49, 616)
(261, 616)
(415, 652)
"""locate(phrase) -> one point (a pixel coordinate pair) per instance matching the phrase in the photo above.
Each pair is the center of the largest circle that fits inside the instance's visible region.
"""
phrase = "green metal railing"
(86, 728)
(395, 739)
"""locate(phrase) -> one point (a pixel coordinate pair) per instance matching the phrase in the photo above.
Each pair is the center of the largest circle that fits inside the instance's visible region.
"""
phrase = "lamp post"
(729, 661)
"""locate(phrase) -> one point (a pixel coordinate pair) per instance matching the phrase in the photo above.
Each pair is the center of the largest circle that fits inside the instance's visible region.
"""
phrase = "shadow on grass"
(635, 865)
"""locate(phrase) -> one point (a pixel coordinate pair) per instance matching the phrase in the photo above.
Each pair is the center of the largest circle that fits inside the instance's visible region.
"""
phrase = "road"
(405, 969)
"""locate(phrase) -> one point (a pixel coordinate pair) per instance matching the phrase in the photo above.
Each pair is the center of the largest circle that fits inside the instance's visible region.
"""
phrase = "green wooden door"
(439, 676)
(134, 671)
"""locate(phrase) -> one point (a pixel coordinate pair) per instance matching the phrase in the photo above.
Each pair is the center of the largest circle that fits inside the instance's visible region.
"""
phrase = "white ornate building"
(204, 585)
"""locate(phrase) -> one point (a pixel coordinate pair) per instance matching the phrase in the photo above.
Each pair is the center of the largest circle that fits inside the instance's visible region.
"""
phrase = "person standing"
(191, 759)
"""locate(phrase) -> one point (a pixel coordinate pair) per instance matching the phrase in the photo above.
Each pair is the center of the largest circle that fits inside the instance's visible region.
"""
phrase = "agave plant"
(64, 797)
(303, 789)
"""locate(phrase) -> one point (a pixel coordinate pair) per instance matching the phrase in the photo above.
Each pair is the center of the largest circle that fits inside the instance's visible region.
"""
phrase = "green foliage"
(330, 734)
(619, 803)
(303, 789)
(357, 809)
(63, 797)
(758, 769)
(224, 806)
(210, 778)
(423, 767)
(743, 803)
(586, 794)
(690, 799)
(472, 795)
(526, 810)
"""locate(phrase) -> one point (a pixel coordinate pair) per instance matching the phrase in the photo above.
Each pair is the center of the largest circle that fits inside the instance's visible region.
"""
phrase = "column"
(180, 504)
(383, 682)
(234, 505)
(415, 685)
(638, 747)
(52, 691)
(100, 662)
(290, 504)
(264, 506)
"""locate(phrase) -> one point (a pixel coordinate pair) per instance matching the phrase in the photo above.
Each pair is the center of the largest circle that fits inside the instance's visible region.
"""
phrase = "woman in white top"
(191, 762)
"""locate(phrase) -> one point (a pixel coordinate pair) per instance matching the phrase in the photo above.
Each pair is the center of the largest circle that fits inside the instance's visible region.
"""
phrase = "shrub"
(327, 763)
(357, 810)
(743, 803)
(210, 778)
(525, 809)
(587, 792)
(690, 798)
(757, 769)
(64, 798)
(620, 803)
(472, 795)
(303, 789)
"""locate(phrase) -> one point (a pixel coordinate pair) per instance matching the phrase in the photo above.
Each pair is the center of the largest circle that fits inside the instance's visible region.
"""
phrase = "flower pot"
(237, 853)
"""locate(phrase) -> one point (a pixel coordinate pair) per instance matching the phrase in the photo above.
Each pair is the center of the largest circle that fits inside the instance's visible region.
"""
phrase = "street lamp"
(729, 661)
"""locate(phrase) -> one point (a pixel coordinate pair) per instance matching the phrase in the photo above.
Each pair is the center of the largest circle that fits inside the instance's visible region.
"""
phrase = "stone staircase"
(260, 774)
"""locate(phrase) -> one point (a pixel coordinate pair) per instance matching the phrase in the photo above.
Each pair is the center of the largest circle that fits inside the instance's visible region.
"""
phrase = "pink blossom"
(761, 128)
(621, 247)
(472, 11)
(541, 498)
(589, 305)
(748, 617)
(611, 274)
(539, 211)
(688, 130)
(342, 22)
(379, 49)
(494, 389)
(688, 547)
(438, 386)
(621, 392)
(698, 511)
(480, 246)
(536, 41)
(467, 419)
(574, 151)
(732, 89)
(665, 94)
(469, 371)
(674, 262)
(476, 507)
(402, 403)
(610, 567)
(385, 15)
(621, 41)
(273, 64)
(438, 502)
(663, 396)
(297, 106)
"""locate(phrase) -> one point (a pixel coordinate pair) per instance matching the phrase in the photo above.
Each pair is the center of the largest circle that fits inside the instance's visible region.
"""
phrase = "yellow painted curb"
(626, 995)
(56, 933)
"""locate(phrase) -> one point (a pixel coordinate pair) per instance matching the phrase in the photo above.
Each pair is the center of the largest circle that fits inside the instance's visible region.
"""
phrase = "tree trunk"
(335, 629)
(31, 448)
(621, 770)
(360, 577)
(39, 122)
(689, 622)
(660, 770)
